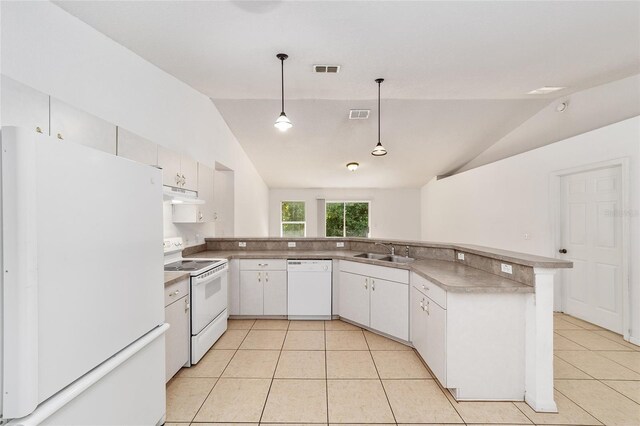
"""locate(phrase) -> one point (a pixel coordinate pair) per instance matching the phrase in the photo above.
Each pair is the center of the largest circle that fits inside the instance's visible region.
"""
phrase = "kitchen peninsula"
(481, 318)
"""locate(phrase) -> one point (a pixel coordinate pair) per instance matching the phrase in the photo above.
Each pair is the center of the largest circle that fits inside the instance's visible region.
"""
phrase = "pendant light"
(353, 166)
(379, 150)
(282, 123)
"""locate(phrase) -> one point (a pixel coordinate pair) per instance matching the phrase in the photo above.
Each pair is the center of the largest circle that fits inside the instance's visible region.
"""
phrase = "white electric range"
(208, 294)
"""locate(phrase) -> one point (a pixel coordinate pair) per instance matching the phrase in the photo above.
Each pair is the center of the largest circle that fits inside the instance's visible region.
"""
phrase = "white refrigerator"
(82, 299)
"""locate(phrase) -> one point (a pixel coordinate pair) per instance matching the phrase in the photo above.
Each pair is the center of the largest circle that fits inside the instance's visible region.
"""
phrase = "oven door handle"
(205, 280)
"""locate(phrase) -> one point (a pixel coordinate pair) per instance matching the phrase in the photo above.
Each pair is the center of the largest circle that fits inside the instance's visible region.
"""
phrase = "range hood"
(180, 196)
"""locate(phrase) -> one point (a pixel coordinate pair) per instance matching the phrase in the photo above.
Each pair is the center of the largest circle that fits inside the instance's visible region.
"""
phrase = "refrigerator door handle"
(19, 273)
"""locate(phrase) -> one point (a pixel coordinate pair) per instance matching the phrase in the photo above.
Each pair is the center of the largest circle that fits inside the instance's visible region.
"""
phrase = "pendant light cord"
(282, 81)
(379, 111)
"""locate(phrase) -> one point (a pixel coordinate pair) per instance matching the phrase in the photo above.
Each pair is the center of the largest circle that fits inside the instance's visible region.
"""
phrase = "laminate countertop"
(171, 277)
(450, 276)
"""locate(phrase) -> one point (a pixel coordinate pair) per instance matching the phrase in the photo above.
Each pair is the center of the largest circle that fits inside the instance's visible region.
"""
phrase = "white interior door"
(591, 230)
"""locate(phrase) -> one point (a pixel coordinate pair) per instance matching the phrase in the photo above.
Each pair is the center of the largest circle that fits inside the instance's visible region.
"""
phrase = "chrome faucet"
(389, 246)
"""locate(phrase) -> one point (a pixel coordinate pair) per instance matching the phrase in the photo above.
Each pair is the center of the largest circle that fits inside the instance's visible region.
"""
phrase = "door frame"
(555, 181)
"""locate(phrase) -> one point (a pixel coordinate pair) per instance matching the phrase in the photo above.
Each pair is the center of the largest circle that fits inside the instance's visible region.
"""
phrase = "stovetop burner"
(188, 265)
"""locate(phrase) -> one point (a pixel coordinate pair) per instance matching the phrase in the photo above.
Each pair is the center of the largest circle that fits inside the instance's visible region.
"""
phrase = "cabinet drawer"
(176, 291)
(429, 289)
(374, 271)
(263, 264)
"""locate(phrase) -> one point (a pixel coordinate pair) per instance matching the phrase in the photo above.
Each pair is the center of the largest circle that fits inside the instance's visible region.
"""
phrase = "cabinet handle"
(38, 129)
(424, 287)
(184, 180)
(373, 285)
(186, 304)
(59, 136)
(266, 277)
(175, 293)
(366, 283)
(200, 216)
(178, 178)
(428, 308)
(263, 264)
(422, 304)
(259, 279)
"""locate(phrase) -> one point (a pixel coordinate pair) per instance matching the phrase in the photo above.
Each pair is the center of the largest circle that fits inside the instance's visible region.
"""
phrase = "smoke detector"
(359, 114)
(326, 69)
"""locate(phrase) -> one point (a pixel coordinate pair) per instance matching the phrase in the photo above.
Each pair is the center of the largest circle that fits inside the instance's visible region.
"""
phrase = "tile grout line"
(364, 336)
(578, 405)
(617, 391)
(221, 373)
(266, 399)
(326, 372)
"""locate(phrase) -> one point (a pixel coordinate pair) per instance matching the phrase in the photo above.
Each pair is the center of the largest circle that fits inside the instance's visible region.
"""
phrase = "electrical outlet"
(291, 244)
(242, 244)
(507, 269)
(340, 244)
(460, 256)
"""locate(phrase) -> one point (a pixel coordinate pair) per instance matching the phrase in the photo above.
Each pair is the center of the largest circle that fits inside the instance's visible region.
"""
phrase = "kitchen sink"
(374, 256)
(385, 257)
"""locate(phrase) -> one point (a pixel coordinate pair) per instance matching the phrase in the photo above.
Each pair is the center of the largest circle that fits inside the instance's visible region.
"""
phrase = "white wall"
(496, 204)
(395, 213)
(50, 50)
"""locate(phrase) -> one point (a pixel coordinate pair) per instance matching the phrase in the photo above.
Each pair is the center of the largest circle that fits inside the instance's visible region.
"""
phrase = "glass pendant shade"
(379, 150)
(283, 123)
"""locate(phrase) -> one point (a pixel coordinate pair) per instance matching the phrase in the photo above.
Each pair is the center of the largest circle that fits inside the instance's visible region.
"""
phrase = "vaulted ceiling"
(456, 74)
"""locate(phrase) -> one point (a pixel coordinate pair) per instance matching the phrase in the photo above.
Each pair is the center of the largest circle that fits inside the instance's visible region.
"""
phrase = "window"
(347, 219)
(292, 219)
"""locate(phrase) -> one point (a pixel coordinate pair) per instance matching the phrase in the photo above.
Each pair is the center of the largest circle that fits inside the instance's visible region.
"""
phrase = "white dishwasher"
(309, 289)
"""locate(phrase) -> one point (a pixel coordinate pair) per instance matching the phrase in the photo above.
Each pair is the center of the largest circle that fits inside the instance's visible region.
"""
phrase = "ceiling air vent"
(326, 69)
(359, 114)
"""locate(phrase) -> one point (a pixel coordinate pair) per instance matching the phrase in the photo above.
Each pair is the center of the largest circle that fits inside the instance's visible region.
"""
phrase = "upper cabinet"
(199, 213)
(136, 148)
(72, 124)
(178, 170)
(23, 106)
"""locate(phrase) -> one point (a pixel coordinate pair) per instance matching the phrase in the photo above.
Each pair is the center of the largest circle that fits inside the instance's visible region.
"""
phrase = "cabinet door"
(251, 293)
(354, 297)
(177, 337)
(436, 356)
(419, 322)
(136, 148)
(23, 106)
(390, 307)
(275, 292)
(189, 173)
(234, 287)
(169, 161)
(205, 192)
(74, 125)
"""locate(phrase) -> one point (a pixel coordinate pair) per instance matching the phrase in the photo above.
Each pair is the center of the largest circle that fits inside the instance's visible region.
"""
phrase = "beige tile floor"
(264, 372)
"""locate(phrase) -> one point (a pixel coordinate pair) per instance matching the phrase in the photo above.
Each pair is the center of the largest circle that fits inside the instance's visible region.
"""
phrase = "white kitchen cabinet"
(428, 332)
(169, 161)
(251, 293)
(199, 213)
(178, 170)
(450, 331)
(275, 292)
(234, 287)
(23, 106)
(263, 287)
(177, 337)
(354, 297)
(375, 297)
(390, 308)
(136, 148)
(189, 173)
(71, 124)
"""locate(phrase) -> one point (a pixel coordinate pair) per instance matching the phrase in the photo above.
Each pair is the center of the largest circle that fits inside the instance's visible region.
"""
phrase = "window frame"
(344, 214)
(293, 222)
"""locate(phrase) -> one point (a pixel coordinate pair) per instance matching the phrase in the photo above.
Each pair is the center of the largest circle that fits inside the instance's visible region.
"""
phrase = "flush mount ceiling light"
(353, 166)
(545, 90)
(379, 150)
(562, 106)
(282, 123)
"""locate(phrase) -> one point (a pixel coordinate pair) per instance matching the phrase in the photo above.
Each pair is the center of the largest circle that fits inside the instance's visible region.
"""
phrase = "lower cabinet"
(474, 343)
(177, 338)
(371, 296)
(263, 291)
(429, 332)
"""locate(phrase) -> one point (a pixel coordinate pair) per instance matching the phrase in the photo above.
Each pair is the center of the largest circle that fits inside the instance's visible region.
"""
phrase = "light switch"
(291, 244)
(460, 256)
(507, 269)
(340, 244)
(242, 244)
